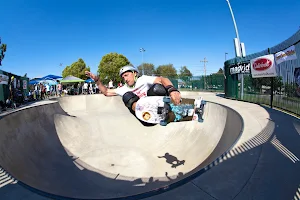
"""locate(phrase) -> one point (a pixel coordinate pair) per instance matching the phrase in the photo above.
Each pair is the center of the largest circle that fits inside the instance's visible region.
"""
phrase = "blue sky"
(42, 34)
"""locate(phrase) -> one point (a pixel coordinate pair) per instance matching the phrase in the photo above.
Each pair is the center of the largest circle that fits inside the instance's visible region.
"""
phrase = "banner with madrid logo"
(285, 55)
(263, 66)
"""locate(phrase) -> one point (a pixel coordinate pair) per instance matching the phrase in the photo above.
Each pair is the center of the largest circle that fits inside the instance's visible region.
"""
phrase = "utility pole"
(142, 50)
(204, 61)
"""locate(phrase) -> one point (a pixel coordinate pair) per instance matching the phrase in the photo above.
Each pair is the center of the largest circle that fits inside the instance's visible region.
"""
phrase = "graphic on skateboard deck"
(160, 110)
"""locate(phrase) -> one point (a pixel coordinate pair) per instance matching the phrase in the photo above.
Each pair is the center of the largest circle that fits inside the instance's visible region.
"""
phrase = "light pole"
(142, 50)
(238, 47)
(225, 56)
(236, 30)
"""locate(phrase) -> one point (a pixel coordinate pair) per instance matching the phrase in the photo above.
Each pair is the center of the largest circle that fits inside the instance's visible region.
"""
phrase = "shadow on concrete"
(220, 95)
(172, 160)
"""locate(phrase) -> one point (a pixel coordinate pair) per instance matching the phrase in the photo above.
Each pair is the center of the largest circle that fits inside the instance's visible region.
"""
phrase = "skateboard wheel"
(163, 123)
(166, 99)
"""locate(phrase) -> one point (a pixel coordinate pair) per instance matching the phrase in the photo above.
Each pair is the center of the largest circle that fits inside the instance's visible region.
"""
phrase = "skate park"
(91, 147)
(71, 142)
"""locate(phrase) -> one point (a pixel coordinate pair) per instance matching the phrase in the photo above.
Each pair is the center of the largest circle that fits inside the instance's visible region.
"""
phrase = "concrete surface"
(84, 147)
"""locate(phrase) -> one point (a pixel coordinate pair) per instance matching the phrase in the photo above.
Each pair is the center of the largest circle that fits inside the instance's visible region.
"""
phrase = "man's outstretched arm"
(102, 88)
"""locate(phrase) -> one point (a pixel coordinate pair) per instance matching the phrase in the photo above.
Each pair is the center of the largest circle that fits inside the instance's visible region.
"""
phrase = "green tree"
(166, 71)
(258, 83)
(290, 89)
(278, 84)
(2, 51)
(110, 65)
(185, 74)
(66, 71)
(220, 71)
(148, 69)
(76, 69)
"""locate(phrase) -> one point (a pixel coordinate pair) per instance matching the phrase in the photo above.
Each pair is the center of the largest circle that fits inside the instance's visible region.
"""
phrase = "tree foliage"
(3, 47)
(258, 83)
(2, 51)
(110, 65)
(166, 71)
(148, 69)
(220, 71)
(185, 74)
(76, 69)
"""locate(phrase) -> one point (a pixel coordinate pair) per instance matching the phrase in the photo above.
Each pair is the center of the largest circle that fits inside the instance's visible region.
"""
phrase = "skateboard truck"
(164, 110)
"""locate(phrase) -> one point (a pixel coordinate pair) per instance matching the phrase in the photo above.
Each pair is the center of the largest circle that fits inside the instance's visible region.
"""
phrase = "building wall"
(4, 89)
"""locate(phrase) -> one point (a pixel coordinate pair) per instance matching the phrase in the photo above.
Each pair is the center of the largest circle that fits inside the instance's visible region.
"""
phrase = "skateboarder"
(136, 87)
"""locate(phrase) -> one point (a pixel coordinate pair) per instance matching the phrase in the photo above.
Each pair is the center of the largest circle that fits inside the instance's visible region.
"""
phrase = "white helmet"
(127, 68)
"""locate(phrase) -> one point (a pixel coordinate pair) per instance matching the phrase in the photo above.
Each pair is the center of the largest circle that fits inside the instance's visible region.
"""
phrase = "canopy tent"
(49, 79)
(50, 76)
(71, 79)
(49, 82)
(33, 82)
(38, 81)
(89, 81)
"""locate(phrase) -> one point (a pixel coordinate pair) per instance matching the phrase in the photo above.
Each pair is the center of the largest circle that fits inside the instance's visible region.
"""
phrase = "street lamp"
(142, 50)
(239, 49)
(238, 45)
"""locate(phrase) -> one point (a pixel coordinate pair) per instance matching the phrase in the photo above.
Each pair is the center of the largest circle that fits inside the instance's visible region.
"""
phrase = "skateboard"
(160, 110)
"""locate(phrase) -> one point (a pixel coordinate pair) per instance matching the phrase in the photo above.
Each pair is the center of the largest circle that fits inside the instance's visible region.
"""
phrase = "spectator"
(110, 84)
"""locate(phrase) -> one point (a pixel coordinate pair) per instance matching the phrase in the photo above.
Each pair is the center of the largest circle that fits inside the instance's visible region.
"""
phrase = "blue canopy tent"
(49, 79)
(50, 76)
(33, 82)
(43, 81)
(89, 81)
(49, 82)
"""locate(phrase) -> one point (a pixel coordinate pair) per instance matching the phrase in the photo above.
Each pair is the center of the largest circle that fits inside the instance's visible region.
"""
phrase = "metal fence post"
(272, 87)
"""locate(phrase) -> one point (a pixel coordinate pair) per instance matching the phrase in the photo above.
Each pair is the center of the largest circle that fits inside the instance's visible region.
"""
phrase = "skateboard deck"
(160, 110)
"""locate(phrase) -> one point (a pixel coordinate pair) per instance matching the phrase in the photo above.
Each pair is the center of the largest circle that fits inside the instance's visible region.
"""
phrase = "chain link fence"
(212, 83)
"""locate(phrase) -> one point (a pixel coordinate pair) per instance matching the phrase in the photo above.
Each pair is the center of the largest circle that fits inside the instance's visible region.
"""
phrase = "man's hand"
(175, 97)
(92, 76)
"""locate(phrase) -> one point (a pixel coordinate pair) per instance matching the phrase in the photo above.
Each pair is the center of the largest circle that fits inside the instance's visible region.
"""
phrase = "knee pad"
(157, 90)
(129, 98)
